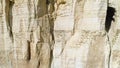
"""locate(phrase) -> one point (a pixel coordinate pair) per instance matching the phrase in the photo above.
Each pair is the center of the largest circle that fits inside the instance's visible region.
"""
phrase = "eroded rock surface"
(59, 34)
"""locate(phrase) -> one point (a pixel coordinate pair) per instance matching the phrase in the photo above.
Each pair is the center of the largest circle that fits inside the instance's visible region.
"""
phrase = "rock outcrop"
(59, 34)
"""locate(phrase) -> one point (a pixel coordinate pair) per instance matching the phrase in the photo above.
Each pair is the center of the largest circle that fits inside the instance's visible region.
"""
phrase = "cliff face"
(59, 34)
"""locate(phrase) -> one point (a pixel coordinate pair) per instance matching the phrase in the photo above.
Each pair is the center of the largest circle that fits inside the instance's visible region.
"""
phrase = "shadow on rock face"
(109, 18)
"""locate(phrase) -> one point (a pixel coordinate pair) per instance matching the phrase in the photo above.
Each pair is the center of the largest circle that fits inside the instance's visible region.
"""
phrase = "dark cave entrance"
(109, 18)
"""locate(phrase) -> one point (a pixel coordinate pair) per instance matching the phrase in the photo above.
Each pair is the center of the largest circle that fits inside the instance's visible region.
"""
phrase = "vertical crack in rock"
(9, 25)
(51, 22)
(29, 51)
(109, 18)
(51, 10)
(109, 56)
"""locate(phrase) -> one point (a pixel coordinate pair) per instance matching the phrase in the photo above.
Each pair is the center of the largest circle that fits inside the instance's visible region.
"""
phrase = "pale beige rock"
(59, 34)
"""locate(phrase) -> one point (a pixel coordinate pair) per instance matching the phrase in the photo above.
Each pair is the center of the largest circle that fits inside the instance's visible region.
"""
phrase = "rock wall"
(59, 33)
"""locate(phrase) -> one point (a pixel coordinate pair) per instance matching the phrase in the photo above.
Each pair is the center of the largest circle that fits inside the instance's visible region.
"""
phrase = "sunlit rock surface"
(59, 34)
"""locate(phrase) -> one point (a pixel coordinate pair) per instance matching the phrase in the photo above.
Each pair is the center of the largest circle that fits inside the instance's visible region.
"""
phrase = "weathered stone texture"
(59, 34)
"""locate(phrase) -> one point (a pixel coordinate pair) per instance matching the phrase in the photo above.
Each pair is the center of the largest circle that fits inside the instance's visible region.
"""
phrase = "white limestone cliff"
(59, 34)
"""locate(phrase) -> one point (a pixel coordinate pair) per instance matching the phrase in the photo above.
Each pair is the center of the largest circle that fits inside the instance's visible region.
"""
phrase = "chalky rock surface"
(59, 34)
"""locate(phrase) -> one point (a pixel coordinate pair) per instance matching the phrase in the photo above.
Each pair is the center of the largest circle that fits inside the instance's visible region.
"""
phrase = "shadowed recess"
(10, 18)
(109, 17)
